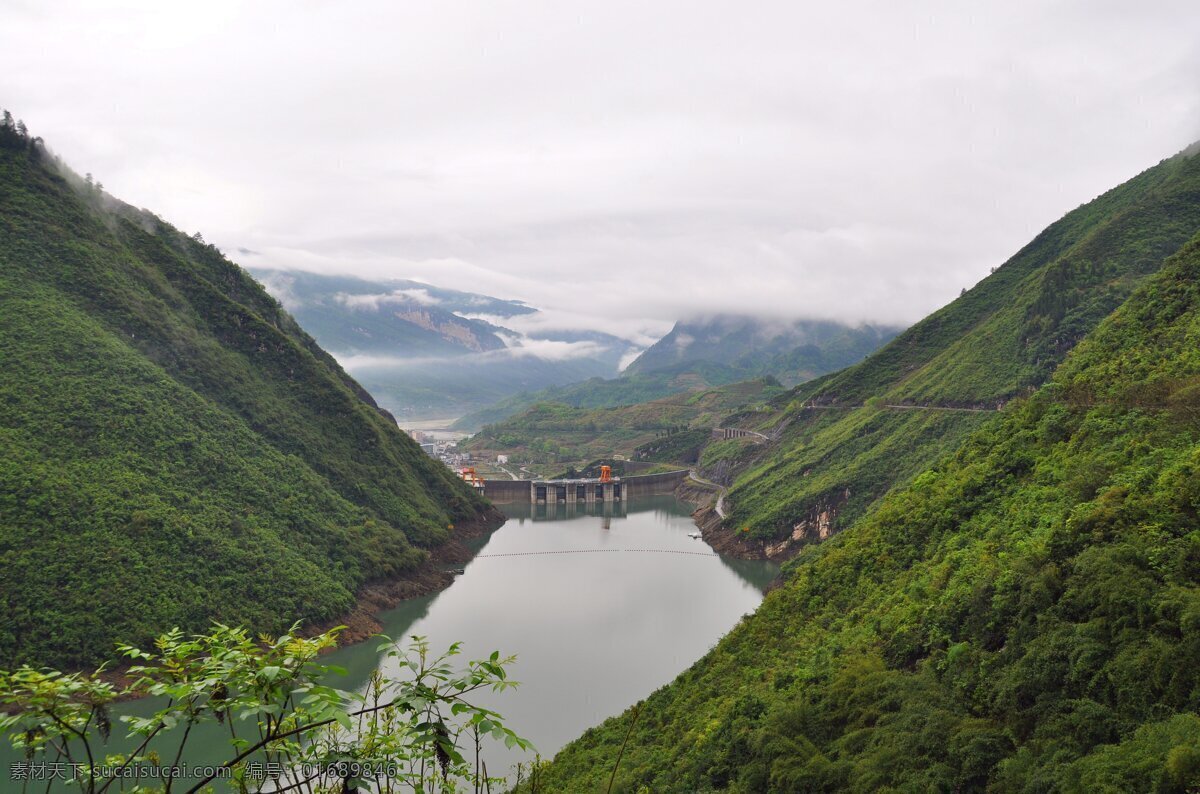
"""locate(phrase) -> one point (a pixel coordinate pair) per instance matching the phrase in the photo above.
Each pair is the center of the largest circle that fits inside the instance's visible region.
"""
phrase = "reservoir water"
(601, 605)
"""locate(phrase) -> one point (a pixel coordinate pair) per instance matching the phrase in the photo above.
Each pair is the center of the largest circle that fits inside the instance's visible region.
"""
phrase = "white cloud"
(639, 331)
(545, 349)
(549, 349)
(626, 164)
(629, 357)
(372, 302)
(279, 284)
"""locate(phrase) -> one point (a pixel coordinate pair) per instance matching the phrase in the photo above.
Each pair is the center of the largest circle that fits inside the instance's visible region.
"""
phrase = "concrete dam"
(583, 490)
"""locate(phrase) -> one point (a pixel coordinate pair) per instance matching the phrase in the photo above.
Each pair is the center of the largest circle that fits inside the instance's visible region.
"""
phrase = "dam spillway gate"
(582, 490)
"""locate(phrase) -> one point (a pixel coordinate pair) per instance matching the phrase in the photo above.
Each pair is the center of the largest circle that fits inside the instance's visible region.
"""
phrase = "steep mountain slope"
(999, 340)
(175, 448)
(790, 351)
(1024, 616)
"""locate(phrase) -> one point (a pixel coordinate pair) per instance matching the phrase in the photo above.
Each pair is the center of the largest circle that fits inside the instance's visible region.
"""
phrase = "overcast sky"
(622, 163)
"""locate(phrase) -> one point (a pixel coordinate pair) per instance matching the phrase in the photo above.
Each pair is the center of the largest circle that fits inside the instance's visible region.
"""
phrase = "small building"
(502, 459)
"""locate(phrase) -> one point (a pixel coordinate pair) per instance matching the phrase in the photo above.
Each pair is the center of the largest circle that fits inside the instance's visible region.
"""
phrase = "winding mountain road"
(720, 507)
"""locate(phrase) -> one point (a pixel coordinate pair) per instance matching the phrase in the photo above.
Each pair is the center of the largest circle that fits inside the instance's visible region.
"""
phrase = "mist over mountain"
(793, 351)
(428, 352)
(701, 354)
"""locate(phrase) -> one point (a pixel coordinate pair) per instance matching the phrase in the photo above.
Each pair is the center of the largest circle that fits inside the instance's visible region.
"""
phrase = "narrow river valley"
(602, 604)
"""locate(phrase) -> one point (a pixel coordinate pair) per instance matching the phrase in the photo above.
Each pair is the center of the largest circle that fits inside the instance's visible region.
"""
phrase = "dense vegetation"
(175, 448)
(289, 729)
(558, 435)
(682, 446)
(628, 389)
(1000, 340)
(1024, 616)
(728, 350)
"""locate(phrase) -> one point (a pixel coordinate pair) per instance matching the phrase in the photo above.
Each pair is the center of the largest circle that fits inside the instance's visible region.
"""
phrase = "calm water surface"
(601, 607)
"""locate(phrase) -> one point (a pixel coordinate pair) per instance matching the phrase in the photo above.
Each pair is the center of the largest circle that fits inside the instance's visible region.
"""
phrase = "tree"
(279, 709)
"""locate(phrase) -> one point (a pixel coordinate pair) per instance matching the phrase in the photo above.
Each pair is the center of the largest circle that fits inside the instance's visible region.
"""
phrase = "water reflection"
(603, 603)
(564, 511)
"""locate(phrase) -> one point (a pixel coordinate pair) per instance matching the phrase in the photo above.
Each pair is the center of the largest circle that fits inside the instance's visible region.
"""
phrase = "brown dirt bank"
(722, 539)
(375, 597)
(699, 494)
(730, 542)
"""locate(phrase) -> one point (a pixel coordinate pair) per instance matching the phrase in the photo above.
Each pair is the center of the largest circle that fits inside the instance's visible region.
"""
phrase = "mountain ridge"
(177, 448)
(792, 351)
(995, 342)
(430, 352)
(1018, 616)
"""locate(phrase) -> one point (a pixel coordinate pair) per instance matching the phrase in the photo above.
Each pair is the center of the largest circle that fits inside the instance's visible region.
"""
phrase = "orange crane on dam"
(468, 474)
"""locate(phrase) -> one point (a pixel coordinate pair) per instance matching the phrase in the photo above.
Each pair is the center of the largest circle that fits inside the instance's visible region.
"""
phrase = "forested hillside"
(175, 449)
(606, 393)
(1023, 616)
(558, 436)
(704, 354)
(842, 449)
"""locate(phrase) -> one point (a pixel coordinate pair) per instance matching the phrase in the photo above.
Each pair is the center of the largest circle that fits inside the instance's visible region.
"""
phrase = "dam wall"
(582, 490)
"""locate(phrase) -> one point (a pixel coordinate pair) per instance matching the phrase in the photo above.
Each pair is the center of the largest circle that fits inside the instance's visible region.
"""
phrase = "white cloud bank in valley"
(401, 297)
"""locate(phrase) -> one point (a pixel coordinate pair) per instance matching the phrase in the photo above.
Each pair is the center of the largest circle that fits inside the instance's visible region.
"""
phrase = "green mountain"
(175, 448)
(1024, 615)
(1000, 340)
(557, 436)
(629, 389)
(792, 352)
(705, 354)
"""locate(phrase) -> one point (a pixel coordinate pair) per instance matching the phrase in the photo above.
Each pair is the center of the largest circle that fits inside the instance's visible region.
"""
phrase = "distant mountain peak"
(793, 350)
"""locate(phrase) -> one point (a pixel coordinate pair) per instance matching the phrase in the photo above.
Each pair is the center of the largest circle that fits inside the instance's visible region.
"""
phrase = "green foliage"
(619, 468)
(176, 449)
(728, 350)
(728, 450)
(1000, 340)
(276, 701)
(1023, 616)
(562, 434)
(629, 389)
(682, 447)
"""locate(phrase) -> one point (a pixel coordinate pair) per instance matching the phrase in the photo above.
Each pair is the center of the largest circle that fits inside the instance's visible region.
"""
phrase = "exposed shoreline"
(722, 539)
(376, 597)
(373, 598)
